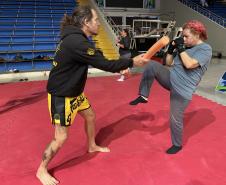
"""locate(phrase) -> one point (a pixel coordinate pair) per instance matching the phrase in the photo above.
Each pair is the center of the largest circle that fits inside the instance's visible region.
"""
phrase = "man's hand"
(179, 44)
(126, 72)
(139, 60)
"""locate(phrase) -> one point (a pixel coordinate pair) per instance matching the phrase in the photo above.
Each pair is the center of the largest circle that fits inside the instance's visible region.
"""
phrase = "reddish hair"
(196, 28)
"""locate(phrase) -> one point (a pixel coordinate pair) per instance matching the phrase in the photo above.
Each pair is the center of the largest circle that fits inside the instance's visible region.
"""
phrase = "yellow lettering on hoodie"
(90, 51)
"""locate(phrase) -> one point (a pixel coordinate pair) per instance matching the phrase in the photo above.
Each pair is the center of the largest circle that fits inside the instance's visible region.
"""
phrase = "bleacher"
(218, 7)
(214, 12)
(30, 29)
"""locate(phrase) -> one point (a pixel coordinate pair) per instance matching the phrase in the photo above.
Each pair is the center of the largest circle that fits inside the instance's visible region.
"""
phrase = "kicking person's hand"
(179, 44)
(171, 47)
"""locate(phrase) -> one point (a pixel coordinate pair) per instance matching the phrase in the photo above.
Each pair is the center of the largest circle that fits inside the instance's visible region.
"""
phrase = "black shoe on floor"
(173, 149)
(140, 99)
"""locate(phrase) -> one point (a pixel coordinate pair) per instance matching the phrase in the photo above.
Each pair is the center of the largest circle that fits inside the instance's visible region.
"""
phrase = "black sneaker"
(140, 99)
(173, 149)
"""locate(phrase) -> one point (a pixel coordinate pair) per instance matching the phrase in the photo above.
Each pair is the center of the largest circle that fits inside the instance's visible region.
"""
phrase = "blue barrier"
(25, 66)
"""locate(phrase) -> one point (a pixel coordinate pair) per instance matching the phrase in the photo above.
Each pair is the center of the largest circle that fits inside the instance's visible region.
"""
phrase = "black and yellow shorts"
(64, 109)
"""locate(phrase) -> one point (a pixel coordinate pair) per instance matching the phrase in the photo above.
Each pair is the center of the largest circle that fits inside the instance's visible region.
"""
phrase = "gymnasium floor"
(206, 87)
(138, 136)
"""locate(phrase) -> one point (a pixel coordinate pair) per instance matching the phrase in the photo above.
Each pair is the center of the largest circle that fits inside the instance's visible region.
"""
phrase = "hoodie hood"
(70, 29)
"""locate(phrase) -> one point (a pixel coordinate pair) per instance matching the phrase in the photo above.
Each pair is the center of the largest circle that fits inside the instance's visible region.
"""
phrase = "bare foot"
(98, 149)
(45, 178)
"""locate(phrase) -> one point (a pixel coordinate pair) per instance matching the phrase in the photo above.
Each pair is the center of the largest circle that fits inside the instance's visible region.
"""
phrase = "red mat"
(137, 136)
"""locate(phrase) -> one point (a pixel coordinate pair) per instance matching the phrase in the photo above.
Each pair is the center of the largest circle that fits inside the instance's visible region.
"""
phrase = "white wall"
(129, 12)
(216, 33)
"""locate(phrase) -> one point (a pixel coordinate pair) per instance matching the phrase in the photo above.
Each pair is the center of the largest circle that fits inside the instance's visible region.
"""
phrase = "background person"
(124, 48)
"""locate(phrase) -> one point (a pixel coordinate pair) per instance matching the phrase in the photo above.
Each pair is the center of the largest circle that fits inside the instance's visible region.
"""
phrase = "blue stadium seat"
(57, 32)
(218, 8)
(22, 46)
(7, 25)
(25, 19)
(46, 38)
(21, 66)
(24, 32)
(31, 28)
(4, 55)
(43, 65)
(49, 53)
(4, 47)
(5, 39)
(45, 46)
(44, 32)
(24, 26)
(3, 67)
(24, 39)
(9, 19)
(6, 32)
(25, 55)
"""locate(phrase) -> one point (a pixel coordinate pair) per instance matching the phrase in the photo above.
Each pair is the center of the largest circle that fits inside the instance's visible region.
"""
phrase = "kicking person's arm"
(169, 55)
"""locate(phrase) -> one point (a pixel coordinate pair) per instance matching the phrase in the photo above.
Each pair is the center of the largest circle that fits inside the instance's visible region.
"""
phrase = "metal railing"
(112, 24)
(145, 28)
(210, 15)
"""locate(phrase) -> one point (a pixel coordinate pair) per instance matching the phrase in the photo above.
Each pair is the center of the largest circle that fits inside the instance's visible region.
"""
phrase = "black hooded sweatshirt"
(70, 66)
